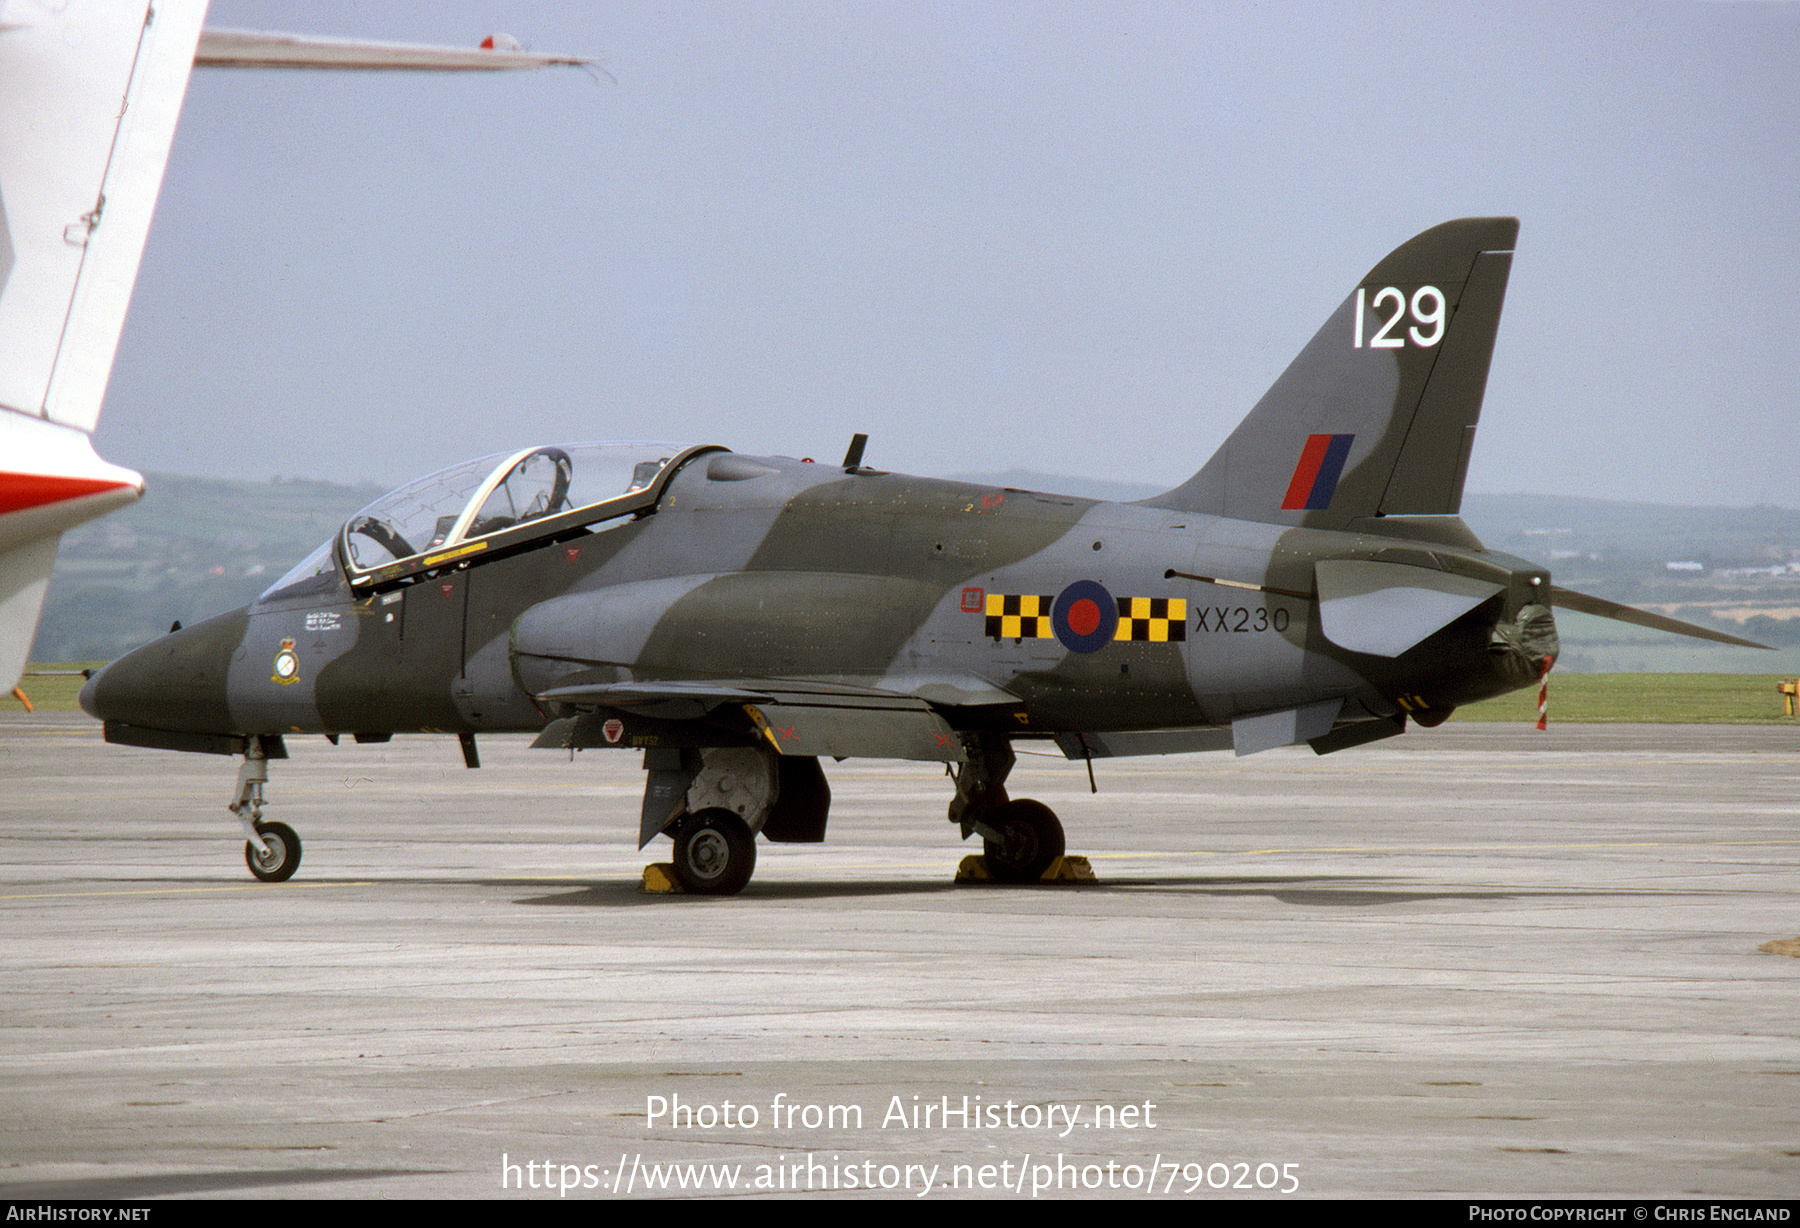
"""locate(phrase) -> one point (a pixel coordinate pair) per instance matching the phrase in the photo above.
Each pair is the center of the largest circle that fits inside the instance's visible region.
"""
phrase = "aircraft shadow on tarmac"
(175, 1185)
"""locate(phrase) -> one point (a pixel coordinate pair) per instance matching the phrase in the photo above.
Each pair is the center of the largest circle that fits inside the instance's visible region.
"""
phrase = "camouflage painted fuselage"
(771, 572)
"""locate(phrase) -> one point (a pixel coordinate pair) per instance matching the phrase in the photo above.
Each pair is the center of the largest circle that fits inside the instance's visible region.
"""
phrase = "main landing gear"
(712, 803)
(715, 852)
(1028, 838)
(273, 850)
(1020, 839)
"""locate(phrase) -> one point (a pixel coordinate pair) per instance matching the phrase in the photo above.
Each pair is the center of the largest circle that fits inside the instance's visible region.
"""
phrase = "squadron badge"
(287, 664)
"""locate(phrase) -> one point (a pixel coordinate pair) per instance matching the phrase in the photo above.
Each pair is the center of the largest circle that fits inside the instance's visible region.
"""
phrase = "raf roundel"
(1085, 616)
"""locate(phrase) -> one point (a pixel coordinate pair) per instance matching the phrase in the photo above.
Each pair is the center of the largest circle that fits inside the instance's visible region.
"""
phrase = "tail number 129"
(1427, 310)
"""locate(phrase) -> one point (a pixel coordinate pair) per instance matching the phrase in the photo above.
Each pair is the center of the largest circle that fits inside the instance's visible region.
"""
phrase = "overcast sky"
(1075, 238)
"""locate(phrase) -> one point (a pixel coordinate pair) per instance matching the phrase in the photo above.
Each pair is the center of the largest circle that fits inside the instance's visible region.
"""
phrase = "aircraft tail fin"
(1377, 415)
(92, 90)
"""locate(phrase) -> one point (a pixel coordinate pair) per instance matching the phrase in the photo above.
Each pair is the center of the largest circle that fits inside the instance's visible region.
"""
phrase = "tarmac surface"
(1476, 960)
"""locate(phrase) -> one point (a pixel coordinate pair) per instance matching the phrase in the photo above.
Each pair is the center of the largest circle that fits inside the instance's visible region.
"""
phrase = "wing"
(795, 717)
(270, 49)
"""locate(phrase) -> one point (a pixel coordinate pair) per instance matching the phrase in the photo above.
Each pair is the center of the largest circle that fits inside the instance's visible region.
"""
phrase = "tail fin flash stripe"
(1316, 476)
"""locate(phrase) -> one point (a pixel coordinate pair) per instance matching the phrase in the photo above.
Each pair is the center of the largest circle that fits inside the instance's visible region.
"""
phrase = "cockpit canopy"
(482, 497)
(463, 510)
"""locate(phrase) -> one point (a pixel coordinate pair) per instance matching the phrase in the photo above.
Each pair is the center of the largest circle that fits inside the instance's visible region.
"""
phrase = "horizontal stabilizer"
(1385, 608)
(1600, 607)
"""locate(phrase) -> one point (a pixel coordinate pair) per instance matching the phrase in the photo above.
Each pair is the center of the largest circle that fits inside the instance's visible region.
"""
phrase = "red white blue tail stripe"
(1316, 476)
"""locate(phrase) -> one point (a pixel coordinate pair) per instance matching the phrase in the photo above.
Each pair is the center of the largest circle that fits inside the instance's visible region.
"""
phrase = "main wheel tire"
(715, 853)
(1031, 837)
(283, 857)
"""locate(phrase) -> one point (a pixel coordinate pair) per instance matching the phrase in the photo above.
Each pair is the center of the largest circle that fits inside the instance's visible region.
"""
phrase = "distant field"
(53, 693)
(1662, 699)
(1673, 699)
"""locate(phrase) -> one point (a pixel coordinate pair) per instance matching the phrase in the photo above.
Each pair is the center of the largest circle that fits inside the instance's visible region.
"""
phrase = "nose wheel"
(279, 857)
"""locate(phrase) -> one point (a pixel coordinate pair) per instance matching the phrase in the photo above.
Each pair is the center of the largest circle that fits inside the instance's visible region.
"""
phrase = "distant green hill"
(190, 548)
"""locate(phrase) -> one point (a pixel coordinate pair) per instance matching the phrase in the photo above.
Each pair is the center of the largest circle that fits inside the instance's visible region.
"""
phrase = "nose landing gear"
(279, 856)
(273, 850)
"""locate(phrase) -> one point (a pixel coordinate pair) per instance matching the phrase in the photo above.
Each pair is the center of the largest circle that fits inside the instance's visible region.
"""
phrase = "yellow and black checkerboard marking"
(1144, 620)
(1015, 616)
(1155, 620)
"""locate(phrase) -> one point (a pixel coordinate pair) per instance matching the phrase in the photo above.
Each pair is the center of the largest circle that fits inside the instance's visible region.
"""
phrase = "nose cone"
(178, 682)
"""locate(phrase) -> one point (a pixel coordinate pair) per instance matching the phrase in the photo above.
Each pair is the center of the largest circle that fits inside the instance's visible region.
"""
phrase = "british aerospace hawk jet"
(739, 618)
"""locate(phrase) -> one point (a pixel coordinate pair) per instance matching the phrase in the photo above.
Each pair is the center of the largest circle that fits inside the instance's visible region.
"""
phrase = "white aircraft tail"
(89, 94)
